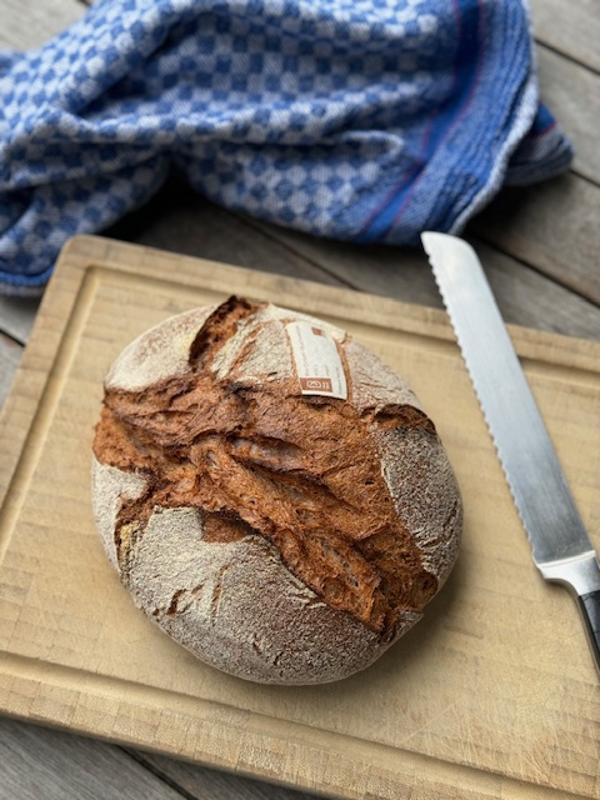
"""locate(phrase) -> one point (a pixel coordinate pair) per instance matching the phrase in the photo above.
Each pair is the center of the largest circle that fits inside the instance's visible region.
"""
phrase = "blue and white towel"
(365, 120)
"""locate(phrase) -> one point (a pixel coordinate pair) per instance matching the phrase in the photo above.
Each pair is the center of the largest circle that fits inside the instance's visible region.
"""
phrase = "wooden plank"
(40, 763)
(572, 28)
(457, 709)
(29, 23)
(524, 296)
(553, 226)
(573, 94)
(10, 356)
(210, 784)
(17, 315)
(178, 219)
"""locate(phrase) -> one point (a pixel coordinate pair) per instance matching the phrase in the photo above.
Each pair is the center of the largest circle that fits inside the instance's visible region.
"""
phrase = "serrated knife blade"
(561, 547)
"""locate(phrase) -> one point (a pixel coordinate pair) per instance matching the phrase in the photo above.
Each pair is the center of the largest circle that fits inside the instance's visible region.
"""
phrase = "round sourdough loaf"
(281, 533)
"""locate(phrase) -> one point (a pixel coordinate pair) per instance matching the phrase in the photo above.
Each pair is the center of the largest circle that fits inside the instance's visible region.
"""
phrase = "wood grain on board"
(38, 763)
(480, 701)
(211, 784)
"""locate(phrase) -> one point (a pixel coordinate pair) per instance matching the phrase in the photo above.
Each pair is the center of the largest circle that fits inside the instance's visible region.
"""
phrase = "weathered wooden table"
(540, 249)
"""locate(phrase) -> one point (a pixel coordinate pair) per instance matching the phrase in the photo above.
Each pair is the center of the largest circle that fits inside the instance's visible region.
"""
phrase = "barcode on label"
(318, 363)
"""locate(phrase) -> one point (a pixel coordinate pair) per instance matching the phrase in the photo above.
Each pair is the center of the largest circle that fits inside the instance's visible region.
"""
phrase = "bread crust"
(234, 603)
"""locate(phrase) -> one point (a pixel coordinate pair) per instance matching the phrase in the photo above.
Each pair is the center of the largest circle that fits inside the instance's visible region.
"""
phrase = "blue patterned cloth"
(366, 120)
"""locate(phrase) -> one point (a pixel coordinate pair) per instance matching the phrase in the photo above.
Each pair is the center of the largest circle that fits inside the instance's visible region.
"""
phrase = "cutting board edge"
(87, 250)
(77, 257)
(286, 758)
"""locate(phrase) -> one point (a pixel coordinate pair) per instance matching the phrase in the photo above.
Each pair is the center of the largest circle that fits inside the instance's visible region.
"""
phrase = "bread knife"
(561, 547)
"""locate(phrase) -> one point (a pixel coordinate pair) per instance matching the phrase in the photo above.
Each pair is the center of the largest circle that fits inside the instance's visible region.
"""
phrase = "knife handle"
(589, 605)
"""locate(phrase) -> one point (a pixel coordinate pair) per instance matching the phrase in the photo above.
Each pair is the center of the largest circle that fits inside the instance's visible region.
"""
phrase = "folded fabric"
(366, 120)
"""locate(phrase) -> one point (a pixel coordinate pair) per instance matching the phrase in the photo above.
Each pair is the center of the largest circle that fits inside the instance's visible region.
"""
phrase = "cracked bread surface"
(280, 536)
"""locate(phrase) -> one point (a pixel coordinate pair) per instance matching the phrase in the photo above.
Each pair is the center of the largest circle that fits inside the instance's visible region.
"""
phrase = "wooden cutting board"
(493, 695)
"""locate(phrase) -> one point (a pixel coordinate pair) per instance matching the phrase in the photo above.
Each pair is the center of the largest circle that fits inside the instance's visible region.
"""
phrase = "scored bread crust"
(235, 604)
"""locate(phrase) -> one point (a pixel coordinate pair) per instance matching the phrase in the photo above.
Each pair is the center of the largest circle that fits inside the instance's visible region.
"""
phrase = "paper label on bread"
(317, 361)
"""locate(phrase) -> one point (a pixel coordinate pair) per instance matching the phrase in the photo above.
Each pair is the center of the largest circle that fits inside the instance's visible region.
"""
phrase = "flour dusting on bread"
(281, 537)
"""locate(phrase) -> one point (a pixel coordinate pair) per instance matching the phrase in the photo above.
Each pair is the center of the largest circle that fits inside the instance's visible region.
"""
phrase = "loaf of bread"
(270, 493)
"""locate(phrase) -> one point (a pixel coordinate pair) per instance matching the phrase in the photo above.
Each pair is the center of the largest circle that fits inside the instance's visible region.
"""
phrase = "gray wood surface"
(539, 247)
(211, 784)
(571, 27)
(28, 23)
(180, 221)
(552, 226)
(573, 94)
(10, 355)
(39, 763)
(17, 315)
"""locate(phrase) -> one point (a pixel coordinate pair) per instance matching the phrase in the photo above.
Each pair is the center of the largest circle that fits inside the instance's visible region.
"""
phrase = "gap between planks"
(202, 783)
(171, 222)
(10, 356)
(42, 762)
(552, 225)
